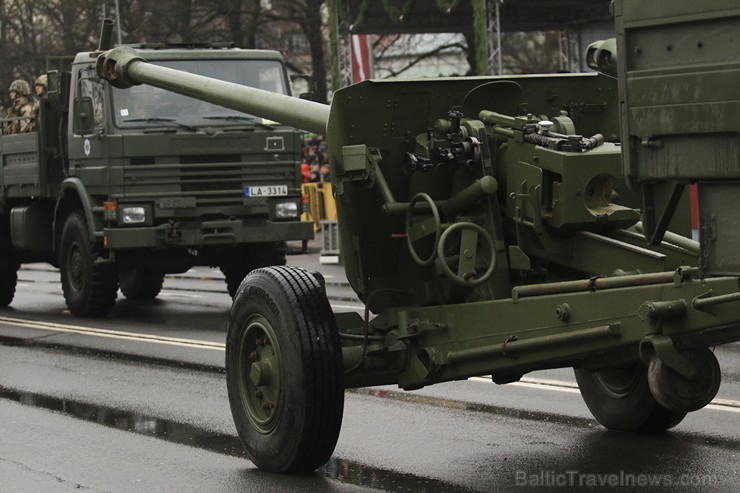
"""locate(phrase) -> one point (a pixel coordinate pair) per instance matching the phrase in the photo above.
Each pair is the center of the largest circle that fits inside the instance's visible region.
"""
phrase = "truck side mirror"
(83, 116)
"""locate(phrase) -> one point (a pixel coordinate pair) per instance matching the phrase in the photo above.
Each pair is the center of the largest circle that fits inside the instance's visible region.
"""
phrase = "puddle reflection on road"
(338, 469)
(346, 471)
(129, 421)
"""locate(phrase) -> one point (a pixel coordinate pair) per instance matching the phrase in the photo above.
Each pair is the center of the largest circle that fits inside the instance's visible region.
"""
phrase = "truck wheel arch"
(74, 197)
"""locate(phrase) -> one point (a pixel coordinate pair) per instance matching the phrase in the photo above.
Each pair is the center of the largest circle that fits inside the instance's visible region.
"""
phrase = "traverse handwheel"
(469, 235)
(416, 231)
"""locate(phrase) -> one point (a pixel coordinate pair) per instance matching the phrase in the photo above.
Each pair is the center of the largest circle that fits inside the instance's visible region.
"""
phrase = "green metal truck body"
(160, 182)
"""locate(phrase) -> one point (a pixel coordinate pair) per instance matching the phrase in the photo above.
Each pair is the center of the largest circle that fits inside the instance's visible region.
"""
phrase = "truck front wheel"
(89, 283)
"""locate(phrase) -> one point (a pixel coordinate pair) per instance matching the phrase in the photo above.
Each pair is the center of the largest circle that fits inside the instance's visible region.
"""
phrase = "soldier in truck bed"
(21, 106)
(41, 86)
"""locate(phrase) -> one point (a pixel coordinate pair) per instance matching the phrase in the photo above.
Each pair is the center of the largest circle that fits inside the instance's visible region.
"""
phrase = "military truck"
(119, 188)
(502, 225)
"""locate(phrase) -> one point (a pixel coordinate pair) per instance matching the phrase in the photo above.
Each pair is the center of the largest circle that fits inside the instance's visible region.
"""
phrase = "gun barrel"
(106, 35)
(123, 67)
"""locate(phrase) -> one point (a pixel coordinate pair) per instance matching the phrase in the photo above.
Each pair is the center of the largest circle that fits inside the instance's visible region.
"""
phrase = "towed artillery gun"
(498, 226)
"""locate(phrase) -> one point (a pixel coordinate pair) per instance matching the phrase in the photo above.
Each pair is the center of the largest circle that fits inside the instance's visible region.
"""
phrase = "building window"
(296, 43)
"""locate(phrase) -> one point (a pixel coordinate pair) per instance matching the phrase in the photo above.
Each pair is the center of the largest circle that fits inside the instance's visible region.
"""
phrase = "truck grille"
(210, 178)
(214, 180)
(210, 159)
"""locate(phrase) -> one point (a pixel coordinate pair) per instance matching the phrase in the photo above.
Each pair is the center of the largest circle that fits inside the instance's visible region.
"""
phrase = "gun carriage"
(497, 226)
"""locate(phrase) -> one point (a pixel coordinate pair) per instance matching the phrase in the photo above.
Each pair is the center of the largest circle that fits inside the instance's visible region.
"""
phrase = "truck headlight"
(286, 210)
(133, 215)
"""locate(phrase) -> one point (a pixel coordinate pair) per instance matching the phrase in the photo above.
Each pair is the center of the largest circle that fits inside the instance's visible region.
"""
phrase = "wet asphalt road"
(102, 412)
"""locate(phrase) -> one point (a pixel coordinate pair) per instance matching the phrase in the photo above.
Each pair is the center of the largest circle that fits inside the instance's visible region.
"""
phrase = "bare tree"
(241, 20)
(427, 55)
(531, 52)
(33, 30)
(164, 21)
(306, 16)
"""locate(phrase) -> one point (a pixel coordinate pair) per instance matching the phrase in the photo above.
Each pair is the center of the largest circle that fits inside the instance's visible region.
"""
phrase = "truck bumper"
(198, 234)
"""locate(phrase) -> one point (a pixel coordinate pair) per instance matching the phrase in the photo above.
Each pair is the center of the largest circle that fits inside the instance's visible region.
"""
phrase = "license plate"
(266, 191)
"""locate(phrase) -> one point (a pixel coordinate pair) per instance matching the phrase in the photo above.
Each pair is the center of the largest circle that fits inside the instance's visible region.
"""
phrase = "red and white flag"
(361, 57)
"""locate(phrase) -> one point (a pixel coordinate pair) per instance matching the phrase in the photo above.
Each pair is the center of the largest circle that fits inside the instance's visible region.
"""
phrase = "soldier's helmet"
(20, 87)
(42, 80)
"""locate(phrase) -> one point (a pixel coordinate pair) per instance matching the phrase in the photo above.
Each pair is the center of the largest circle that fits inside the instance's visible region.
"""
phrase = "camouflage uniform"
(21, 107)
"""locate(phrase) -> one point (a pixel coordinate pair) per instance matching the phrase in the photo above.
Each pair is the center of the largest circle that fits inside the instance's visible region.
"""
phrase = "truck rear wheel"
(140, 283)
(9, 264)
(284, 370)
(89, 284)
(8, 278)
(620, 399)
(249, 258)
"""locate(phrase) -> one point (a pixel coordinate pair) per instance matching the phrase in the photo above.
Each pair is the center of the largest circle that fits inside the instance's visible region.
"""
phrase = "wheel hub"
(259, 370)
(620, 381)
(75, 267)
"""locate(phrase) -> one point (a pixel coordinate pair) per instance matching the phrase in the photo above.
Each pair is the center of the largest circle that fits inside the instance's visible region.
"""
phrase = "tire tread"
(101, 296)
(322, 372)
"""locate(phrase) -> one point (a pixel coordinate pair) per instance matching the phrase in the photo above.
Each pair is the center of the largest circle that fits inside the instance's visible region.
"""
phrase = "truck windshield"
(148, 106)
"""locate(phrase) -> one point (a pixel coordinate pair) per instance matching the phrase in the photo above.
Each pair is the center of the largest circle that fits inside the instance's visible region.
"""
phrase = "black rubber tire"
(89, 285)
(140, 283)
(620, 399)
(251, 257)
(298, 430)
(678, 393)
(9, 264)
(8, 279)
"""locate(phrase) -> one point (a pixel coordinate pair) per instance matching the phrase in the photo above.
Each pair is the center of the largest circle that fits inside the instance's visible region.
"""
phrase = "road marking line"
(113, 334)
(180, 295)
(537, 383)
(533, 385)
(564, 386)
(351, 307)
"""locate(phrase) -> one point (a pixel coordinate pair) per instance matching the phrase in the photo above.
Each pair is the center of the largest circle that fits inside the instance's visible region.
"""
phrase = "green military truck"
(119, 188)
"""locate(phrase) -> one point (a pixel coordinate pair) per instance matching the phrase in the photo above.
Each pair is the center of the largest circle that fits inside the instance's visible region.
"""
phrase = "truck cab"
(131, 184)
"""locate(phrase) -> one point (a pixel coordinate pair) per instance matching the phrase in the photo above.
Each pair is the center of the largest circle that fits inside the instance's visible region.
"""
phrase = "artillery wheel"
(251, 257)
(9, 264)
(416, 231)
(89, 284)
(284, 370)
(620, 399)
(140, 283)
(679, 393)
(466, 275)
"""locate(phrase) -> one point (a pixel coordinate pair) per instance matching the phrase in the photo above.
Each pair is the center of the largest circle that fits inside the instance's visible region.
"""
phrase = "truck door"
(88, 145)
